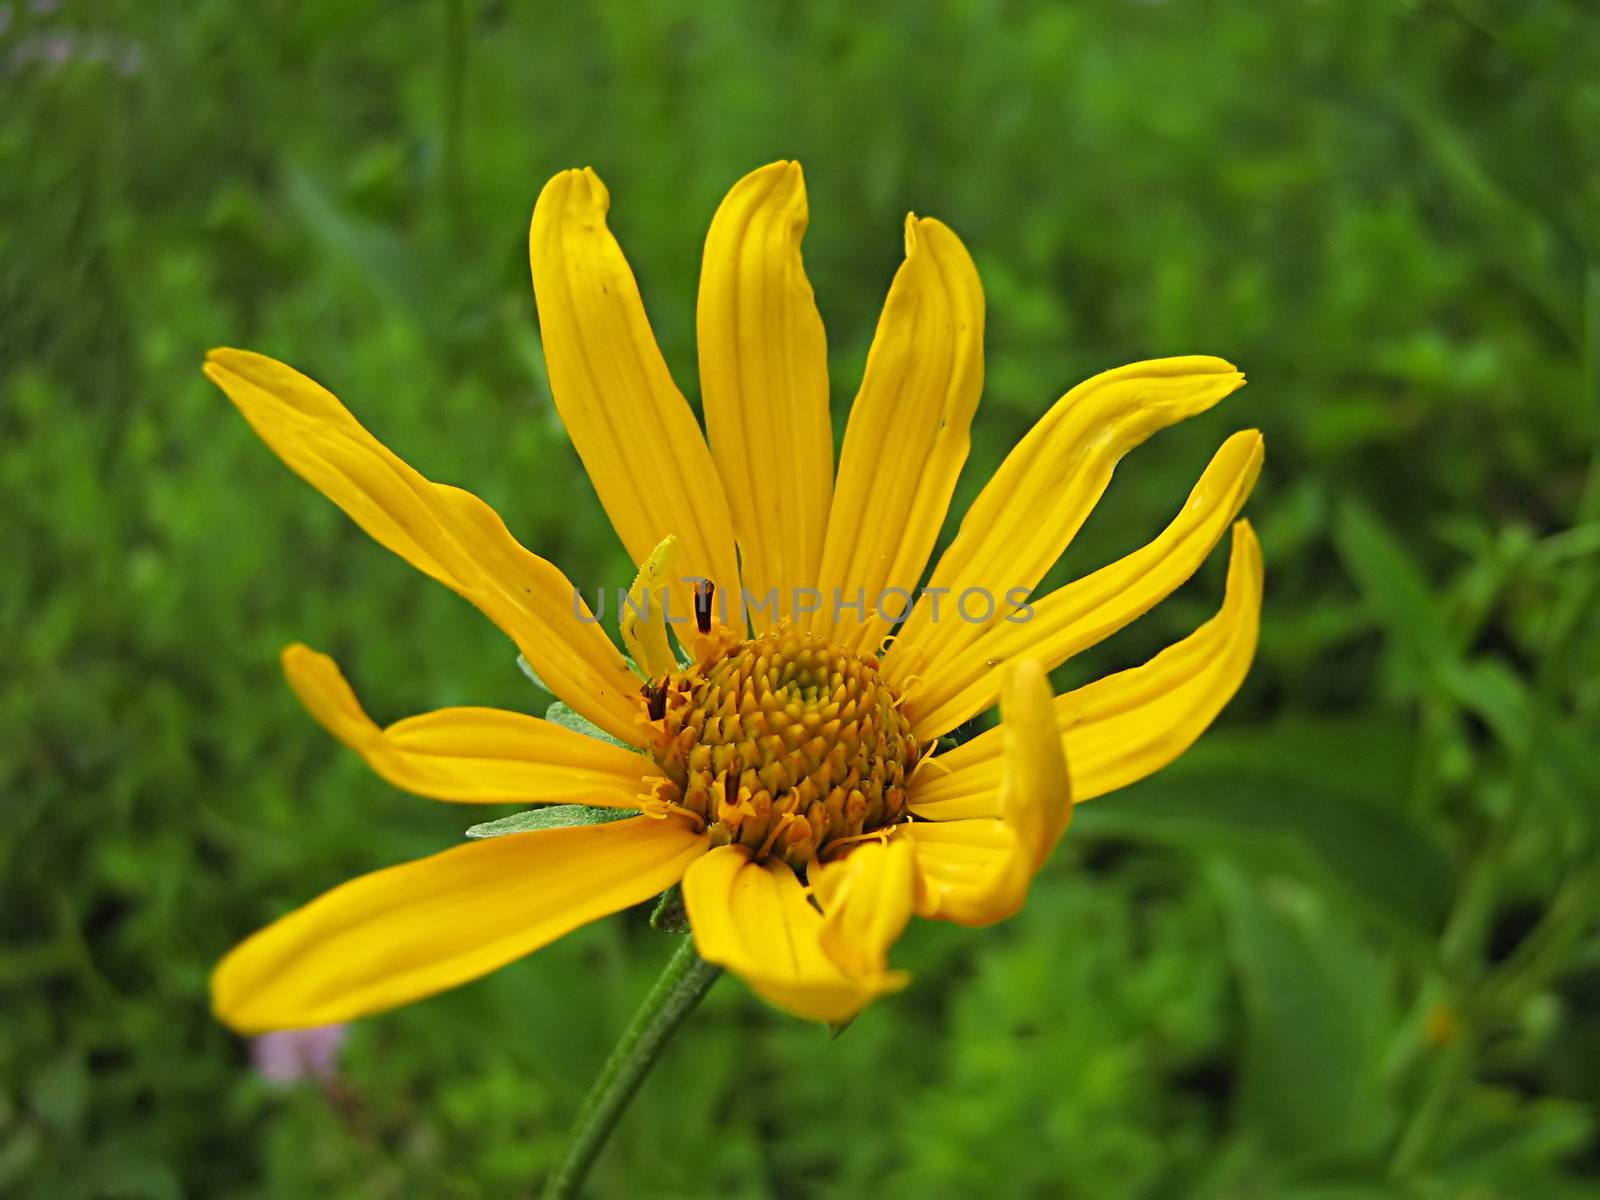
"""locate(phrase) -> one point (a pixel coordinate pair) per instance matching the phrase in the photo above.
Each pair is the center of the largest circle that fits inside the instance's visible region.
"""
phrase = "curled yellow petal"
(630, 424)
(441, 530)
(1034, 505)
(755, 919)
(967, 871)
(906, 439)
(644, 614)
(955, 686)
(764, 385)
(470, 755)
(978, 871)
(409, 931)
(866, 902)
(1035, 790)
(1128, 725)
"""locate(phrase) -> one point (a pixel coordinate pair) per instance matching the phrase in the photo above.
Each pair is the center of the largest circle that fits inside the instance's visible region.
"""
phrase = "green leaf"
(564, 714)
(372, 253)
(1311, 797)
(1315, 1014)
(555, 816)
(1508, 227)
(1495, 693)
(1557, 550)
(1527, 1141)
(1396, 590)
(1565, 765)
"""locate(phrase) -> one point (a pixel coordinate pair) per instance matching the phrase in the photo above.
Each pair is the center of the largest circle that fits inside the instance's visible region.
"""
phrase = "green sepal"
(564, 714)
(670, 916)
(960, 735)
(526, 668)
(553, 816)
(560, 713)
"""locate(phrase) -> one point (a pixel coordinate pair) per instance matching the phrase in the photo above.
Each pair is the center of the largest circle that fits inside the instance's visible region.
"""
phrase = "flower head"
(784, 763)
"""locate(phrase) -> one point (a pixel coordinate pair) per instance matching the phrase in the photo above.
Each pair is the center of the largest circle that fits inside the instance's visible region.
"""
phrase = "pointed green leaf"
(1313, 798)
(1403, 604)
(1316, 1010)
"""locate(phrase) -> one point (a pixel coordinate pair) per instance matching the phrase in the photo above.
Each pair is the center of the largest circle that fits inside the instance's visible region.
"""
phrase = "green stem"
(1541, 953)
(1461, 946)
(684, 981)
(1450, 1070)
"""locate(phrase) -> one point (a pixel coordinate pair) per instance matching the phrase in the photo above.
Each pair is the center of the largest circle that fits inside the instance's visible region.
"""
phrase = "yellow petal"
(644, 614)
(443, 531)
(906, 439)
(866, 902)
(409, 931)
(966, 870)
(952, 688)
(1035, 792)
(755, 919)
(977, 872)
(1033, 506)
(764, 384)
(471, 755)
(631, 426)
(1128, 725)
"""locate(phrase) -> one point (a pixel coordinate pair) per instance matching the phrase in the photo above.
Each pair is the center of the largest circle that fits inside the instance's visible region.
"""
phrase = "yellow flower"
(788, 773)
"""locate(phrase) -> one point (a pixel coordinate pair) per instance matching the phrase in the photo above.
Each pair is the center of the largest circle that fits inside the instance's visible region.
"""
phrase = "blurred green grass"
(1385, 212)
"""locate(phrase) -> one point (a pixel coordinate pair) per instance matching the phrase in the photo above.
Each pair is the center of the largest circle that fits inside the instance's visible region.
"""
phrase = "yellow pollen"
(781, 744)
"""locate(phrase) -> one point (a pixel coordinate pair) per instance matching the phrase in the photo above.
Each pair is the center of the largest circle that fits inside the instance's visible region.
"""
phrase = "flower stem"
(683, 982)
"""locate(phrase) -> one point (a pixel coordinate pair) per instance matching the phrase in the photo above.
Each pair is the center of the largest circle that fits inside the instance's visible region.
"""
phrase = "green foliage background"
(1345, 948)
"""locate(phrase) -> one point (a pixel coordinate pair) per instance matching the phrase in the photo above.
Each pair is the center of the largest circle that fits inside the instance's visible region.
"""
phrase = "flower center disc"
(782, 744)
